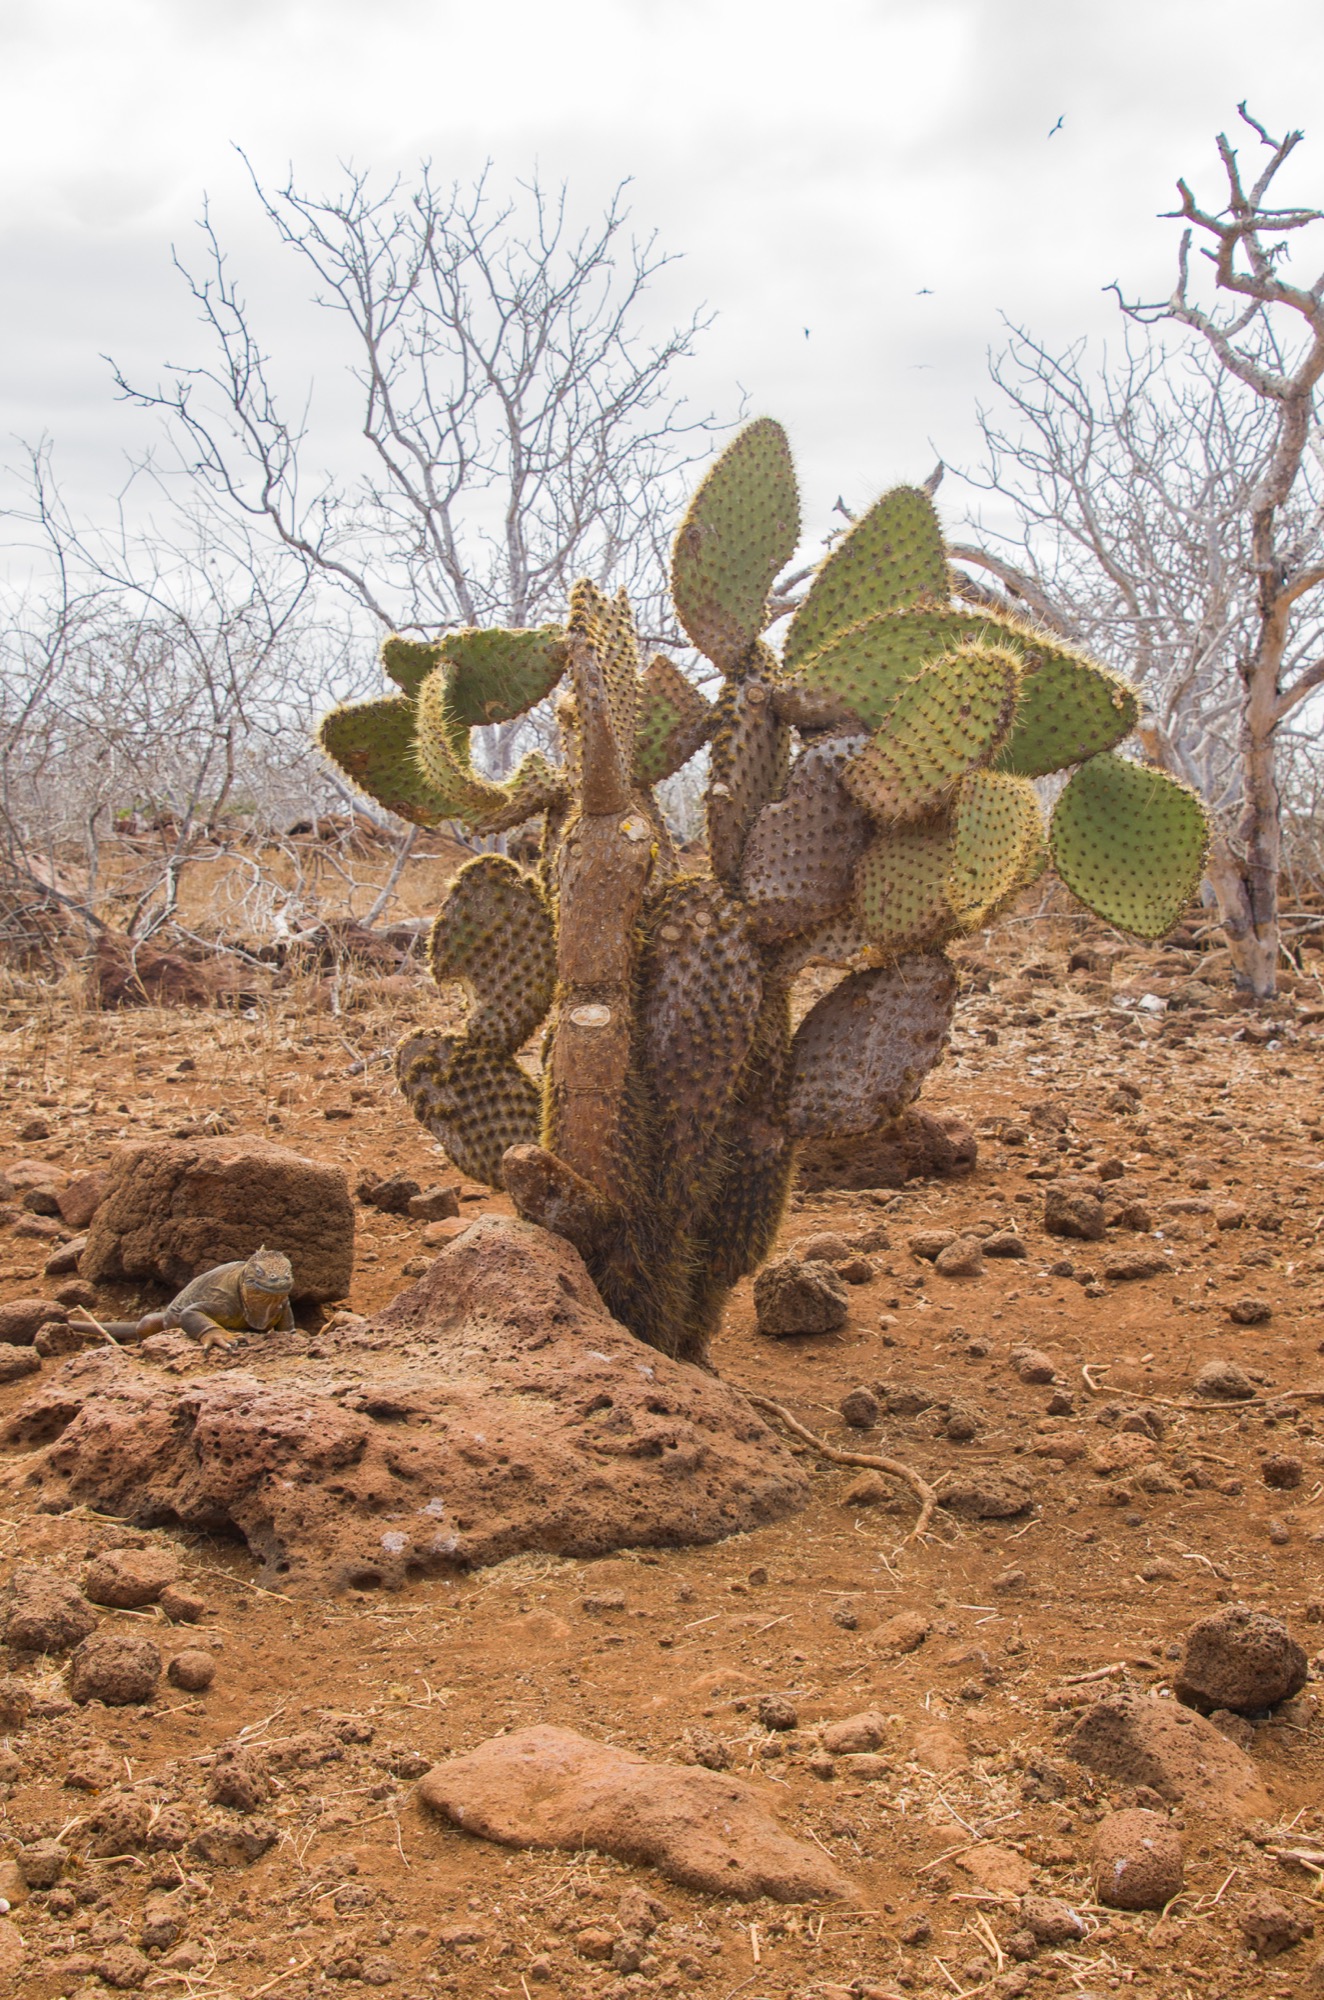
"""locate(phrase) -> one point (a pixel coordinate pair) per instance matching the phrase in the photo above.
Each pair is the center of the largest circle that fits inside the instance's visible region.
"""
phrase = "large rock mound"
(172, 1208)
(493, 1408)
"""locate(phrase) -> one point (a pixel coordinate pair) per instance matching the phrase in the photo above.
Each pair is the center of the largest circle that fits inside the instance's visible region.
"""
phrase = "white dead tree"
(1171, 516)
(520, 429)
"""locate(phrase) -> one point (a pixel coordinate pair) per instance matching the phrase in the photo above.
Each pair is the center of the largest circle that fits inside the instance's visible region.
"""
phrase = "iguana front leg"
(208, 1332)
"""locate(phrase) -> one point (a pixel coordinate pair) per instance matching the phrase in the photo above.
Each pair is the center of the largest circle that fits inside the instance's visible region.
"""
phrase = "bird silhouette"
(924, 292)
(806, 333)
(1059, 124)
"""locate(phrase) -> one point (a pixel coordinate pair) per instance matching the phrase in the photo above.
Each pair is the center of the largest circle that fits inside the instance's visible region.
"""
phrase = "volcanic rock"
(494, 1407)
(545, 1787)
(174, 1208)
(1074, 1208)
(918, 1146)
(1240, 1659)
(44, 1612)
(1136, 1860)
(128, 1579)
(114, 1667)
(791, 1297)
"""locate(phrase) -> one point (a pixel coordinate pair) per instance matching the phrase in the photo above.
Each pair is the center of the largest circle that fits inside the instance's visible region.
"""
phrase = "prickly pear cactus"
(869, 799)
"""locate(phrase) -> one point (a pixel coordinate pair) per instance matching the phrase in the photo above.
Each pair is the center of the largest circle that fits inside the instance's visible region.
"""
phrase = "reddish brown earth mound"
(495, 1407)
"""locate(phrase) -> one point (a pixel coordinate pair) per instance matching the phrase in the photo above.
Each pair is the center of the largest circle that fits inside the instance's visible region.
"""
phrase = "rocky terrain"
(1069, 1742)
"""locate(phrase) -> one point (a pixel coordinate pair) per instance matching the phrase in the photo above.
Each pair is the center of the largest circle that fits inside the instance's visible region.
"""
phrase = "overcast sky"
(879, 172)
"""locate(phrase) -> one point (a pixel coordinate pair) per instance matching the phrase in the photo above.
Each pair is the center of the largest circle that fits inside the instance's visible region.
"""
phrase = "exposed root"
(872, 1461)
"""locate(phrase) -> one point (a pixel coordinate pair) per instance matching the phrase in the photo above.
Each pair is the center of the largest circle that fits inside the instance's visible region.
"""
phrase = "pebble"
(1269, 1927)
(193, 1670)
(114, 1667)
(1136, 1860)
(130, 1579)
(791, 1298)
(1223, 1382)
(1282, 1472)
(860, 1408)
(1031, 1364)
(962, 1258)
(1250, 1310)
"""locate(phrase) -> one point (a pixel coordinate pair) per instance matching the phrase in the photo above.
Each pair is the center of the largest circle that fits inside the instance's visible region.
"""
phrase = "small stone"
(181, 1606)
(1282, 1472)
(124, 1968)
(1278, 1531)
(857, 1270)
(1005, 1243)
(600, 1601)
(61, 1337)
(1051, 1921)
(869, 1490)
(823, 1247)
(116, 1668)
(129, 1579)
(860, 1408)
(20, 1319)
(163, 1921)
(1136, 1860)
(391, 1196)
(1011, 1581)
(962, 1423)
(42, 1862)
(928, 1244)
(79, 1199)
(776, 1712)
(986, 1499)
(792, 1298)
(1240, 1659)
(15, 1362)
(13, 1884)
(436, 1234)
(1135, 1264)
(902, 1633)
(595, 1945)
(1061, 1404)
(434, 1204)
(194, 1670)
(1223, 1382)
(34, 1129)
(1269, 1927)
(856, 1733)
(15, 1703)
(1031, 1364)
(962, 1258)
(239, 1779)
(45, 1614)
(1250, 1310)
(1074, 1209)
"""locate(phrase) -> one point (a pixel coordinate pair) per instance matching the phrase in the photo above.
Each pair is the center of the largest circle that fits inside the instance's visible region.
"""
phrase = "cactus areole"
(870, 798)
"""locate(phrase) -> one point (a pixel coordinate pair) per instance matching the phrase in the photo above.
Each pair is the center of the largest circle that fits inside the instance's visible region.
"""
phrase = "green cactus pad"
(442, 749)
(1068, 710)
(740, 531)
(748, 765)
(862, 1052)
(701, 983)
(953, 716)
(675, 720)
(1130, 842)
(997, 828)
(799, 860)
(373, 743)
(495, 935)
(499, 673)
(901, 888)
(748, 1198)
(891, 557)
(607, 623)
(474, 1100)
(410, 661)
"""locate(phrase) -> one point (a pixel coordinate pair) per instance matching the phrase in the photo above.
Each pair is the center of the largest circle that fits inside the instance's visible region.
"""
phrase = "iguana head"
(265, 1282)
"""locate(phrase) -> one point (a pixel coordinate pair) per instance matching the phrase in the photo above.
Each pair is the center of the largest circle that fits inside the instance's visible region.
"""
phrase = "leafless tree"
(520, 430)
(1171, 515)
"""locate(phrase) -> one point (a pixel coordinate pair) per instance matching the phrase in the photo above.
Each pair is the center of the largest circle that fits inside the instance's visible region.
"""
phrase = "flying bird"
(806, 333)
(924, 292)
(1059, 124)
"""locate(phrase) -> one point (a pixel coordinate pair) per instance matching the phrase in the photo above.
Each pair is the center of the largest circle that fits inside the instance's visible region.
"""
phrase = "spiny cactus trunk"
(660, 1140)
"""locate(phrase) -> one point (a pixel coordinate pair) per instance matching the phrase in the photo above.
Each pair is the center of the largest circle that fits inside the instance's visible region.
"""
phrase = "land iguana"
(249, 1296)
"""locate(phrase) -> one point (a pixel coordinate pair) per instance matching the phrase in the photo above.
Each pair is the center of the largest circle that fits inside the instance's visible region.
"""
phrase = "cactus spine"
(869, 799)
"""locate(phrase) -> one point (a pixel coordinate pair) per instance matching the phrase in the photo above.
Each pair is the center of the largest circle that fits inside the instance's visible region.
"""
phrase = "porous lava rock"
(1136, 1860)
(795, 1296)
(44, 1613)
(20, 1319)
(80, 1198)
(194, 1670)
(1240, 1659)
(1074, 1207)
(1269, 1927)
(114, 1667)
(1139, 1740)
(920, 1145)
(15, 1362)
(546, 1787)
(494, 1407)
(175, 1207)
